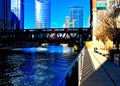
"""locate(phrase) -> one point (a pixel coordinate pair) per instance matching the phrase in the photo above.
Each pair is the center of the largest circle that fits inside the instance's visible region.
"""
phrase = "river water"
(41, 66)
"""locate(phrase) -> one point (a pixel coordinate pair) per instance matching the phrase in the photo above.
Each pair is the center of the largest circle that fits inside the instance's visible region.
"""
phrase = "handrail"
(79, 61)
(80, 65)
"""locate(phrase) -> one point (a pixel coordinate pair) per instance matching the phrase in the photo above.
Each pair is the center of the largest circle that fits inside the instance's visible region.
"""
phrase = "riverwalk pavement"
(98, 70)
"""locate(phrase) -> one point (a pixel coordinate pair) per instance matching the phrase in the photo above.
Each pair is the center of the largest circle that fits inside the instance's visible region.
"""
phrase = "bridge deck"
(70, 36)
(98, 71)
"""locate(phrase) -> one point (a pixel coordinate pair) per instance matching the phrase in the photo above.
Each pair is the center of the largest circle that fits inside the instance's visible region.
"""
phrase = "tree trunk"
(117, 43)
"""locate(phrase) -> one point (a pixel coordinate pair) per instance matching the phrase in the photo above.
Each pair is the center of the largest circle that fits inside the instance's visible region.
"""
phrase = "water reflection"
(42, 66)
(28, 70)
(51, 49)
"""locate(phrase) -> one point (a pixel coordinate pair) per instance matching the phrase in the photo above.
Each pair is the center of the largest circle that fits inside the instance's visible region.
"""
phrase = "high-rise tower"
(17, 14)
(42, 14)
(5, 14)
(22, 14)
(76, 17)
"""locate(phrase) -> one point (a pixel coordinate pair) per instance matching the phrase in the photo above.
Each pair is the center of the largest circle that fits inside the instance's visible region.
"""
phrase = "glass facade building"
(42, 14)
(17, 14)
(5, 14)
(22, 15)
(11, 14)
(76, 17)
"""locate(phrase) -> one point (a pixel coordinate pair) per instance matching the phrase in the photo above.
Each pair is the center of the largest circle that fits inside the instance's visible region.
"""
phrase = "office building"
(42, 14)
(76, 17)
(22, 15)
(67, 22)
(5, 14)
(17, 14)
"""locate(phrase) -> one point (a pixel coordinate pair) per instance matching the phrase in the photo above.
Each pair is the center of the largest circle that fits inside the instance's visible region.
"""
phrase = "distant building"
(11, 14)
(42, 14)
(17, 14)
(76, 17)
(5, 14)
(22, 14)
(67, 22)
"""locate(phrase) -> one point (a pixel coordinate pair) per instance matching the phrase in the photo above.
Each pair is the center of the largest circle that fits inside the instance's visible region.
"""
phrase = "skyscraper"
(22, 14)
(5, 14)
(17, 14)
(42, 13)
(76, 16)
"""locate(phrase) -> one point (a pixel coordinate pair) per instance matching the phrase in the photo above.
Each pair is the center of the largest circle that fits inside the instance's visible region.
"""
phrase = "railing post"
(80, 65)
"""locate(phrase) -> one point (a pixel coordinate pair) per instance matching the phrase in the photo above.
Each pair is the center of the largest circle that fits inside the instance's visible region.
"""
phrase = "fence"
(72, 77)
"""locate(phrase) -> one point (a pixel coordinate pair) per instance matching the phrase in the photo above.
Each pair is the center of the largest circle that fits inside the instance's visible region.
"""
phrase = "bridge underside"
(36, 37)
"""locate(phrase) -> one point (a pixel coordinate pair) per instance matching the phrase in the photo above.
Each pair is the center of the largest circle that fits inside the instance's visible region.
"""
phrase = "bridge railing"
(73, 75)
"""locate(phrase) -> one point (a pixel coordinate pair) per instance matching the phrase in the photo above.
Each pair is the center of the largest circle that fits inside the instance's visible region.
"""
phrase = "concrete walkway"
(98, 71)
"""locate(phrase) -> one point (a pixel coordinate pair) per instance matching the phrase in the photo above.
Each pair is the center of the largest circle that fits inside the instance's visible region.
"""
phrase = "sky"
(59, 10)
(29, 14)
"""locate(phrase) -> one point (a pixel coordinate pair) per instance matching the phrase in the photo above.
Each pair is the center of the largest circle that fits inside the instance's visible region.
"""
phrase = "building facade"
(17, 14)
(101, 4)
(67, 22)
(42, 14)
(76, 17)
(101, 7)
(11, 14)
(22, 15)
(5, 14)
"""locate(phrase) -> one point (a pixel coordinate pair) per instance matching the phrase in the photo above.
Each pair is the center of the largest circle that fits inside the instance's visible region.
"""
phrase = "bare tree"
(100, 32)
(111, 27)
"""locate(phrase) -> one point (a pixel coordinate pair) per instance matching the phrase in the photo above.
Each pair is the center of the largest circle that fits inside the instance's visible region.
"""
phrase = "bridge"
(58, 35)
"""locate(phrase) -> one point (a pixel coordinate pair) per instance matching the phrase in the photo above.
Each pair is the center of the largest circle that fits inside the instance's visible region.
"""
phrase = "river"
(41, 66)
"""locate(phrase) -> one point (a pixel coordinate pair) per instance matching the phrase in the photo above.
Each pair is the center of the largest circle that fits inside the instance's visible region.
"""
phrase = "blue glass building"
(5, 14)
(22, 14)
(11, 14)
(17, 11)
(42, 14)
(76, 17)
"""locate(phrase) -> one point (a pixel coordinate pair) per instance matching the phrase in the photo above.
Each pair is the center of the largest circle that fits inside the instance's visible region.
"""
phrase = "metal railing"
(73, 73)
